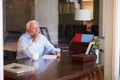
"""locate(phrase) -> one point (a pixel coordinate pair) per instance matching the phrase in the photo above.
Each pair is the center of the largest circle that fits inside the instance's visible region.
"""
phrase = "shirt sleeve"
(26, 48)
(49, 48)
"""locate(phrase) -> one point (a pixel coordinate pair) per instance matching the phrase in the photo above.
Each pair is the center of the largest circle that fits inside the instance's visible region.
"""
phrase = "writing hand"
(57, 53)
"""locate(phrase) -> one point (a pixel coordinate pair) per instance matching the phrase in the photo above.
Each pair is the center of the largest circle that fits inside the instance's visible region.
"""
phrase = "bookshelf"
(66, 8)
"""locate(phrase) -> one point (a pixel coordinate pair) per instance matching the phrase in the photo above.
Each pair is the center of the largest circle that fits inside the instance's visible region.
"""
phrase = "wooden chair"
(44, 31)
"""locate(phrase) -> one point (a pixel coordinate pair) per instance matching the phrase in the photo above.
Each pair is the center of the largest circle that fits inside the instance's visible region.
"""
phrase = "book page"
(49, 56)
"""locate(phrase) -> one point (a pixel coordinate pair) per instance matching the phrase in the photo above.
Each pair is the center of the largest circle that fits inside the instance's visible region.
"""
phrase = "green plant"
(97, 45)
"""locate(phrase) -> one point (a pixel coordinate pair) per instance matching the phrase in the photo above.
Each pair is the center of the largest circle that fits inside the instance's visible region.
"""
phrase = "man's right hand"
(35, 37)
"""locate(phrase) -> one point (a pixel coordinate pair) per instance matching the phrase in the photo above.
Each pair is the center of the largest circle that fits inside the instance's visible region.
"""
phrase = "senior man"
(33, 42)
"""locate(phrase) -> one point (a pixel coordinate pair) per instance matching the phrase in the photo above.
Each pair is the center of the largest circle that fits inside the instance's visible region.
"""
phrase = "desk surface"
(53, 69)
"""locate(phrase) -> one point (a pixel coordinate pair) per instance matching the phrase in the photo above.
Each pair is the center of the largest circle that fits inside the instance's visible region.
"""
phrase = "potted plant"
(97, 46)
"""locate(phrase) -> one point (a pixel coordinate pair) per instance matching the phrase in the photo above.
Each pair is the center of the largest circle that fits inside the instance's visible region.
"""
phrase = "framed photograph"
(90, 46)
(16, 69)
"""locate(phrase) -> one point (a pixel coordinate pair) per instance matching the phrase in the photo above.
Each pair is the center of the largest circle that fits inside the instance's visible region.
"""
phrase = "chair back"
(45, 32)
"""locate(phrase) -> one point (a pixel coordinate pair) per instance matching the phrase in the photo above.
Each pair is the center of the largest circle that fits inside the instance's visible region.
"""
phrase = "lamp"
(82, 15)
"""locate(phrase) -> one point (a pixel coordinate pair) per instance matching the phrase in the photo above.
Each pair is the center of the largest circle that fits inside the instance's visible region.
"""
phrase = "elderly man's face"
(34, 29)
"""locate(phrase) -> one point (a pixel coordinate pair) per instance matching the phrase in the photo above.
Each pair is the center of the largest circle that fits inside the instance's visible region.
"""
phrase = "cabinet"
(18, 12)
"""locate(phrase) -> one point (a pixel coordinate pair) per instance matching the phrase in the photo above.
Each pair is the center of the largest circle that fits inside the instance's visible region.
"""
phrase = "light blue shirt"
(26, 46)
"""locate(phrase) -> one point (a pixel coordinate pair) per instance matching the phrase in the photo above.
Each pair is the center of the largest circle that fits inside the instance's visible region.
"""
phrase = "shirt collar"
(27, 35)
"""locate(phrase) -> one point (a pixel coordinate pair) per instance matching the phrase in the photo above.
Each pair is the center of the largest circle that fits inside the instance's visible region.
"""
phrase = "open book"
(49, 56)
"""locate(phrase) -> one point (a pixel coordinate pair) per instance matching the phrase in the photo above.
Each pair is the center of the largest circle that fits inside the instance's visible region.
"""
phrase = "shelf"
(66, 8)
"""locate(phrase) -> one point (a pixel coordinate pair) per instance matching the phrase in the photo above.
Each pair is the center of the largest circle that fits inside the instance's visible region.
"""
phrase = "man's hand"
(35, 37)
(57, 53)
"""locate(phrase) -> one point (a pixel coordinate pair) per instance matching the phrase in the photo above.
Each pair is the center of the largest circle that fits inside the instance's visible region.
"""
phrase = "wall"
(108, 39)
(112, 40)
(101, 18)
(46, 13)
(5, 33)
(20, 12)
(116, 41)
(88, 5)
(15, 19)
(96, 12)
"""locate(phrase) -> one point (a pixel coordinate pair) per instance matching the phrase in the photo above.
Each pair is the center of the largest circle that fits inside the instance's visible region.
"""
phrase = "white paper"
(49, 56)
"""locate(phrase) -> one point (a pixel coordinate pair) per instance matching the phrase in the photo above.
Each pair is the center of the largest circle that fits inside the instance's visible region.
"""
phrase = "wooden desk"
(59, 69)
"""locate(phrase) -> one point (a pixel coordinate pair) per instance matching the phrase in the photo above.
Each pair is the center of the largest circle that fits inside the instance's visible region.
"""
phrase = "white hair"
(29, 23)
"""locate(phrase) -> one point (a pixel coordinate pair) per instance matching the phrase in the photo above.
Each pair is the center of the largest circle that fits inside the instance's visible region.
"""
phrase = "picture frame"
(16, 69)
(90, 46)
(45, 32)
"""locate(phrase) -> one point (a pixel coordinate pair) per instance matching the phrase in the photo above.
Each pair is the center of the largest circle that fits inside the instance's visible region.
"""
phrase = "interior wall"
(116, 41)
(112, 40)
(5, 33)
(108, 39)
(101, 18)
(20, 12)
(46, 13)
(13, 18)
(88, 5)
(96, 12)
